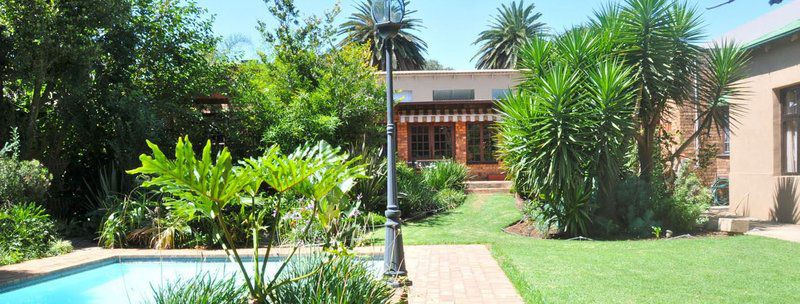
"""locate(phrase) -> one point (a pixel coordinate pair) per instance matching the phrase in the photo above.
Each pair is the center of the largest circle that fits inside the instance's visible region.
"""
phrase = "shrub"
(340, 280)
(22, 181)
(415, 196)
(59, 247)
(639, 208)
(26, 232)
(689, 200)
(201, 289)
(449, 198)
(446, 175)
(372, 192)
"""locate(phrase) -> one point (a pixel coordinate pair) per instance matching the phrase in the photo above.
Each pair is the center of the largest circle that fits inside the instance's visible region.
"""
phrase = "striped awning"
(449, 115)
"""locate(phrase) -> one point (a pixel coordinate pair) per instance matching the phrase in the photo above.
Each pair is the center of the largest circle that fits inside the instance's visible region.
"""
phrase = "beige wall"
(758, 188)
(422, 83)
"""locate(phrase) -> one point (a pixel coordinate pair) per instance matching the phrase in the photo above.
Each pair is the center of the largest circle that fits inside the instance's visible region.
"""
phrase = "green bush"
(446, 175)
(22, 181)
(201, 289)
(415, 196)
(26, 232)
(59, 247)
(449, 198)
(689, 200)
(340, 280)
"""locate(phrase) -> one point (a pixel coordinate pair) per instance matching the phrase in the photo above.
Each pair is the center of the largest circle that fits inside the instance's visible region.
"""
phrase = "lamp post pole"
(393, 255)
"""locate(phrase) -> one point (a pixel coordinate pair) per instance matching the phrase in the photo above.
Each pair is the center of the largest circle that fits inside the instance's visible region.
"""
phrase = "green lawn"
(742, 269)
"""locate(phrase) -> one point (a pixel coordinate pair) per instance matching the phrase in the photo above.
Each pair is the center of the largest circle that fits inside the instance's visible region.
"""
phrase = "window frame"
(431, 140)
(484, 127)
(451, 92)
(785, 118)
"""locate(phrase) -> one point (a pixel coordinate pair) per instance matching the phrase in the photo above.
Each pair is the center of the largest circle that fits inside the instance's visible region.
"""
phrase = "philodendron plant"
(205, 187)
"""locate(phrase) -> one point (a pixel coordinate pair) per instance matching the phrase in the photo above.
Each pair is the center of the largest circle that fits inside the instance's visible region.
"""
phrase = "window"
(480, 143)
(453, 94)
(403, 96)
(790, 129)
(498, 94)
(430, 141)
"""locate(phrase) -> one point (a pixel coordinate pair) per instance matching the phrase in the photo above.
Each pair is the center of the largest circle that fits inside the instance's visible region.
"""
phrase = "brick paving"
(440, 274)
(457, 274)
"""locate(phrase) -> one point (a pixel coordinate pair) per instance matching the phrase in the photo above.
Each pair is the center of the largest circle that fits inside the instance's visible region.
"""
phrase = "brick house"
(450, 115)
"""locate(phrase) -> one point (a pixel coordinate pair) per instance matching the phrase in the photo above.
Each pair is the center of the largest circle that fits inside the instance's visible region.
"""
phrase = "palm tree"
(408, 48)
(512, 28)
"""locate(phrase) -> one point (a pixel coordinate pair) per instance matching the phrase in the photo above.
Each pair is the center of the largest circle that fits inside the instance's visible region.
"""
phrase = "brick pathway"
(440, 274)
(457, 274)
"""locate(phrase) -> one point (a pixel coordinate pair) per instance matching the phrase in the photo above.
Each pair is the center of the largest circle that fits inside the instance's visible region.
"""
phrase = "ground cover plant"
(692, 270)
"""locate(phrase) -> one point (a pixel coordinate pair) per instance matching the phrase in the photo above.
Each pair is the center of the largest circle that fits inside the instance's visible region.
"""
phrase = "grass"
(742, 269)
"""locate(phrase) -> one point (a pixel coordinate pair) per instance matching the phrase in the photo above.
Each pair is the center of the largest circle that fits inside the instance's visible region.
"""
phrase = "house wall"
(712, 161)
(758, 188)
(423, 83)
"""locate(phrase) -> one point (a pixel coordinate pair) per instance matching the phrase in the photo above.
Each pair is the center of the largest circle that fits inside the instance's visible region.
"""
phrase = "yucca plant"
(408, 49)
(447, 174)
(512, 28)
(566, 122)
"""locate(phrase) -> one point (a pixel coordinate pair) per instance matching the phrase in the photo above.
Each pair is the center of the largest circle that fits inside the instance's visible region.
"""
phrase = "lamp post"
(387, 15)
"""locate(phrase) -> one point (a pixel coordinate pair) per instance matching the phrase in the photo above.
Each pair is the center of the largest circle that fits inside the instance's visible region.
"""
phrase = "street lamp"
(387, 15)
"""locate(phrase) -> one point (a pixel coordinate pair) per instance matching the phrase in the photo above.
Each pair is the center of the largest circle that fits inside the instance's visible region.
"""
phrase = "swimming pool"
(122, 280)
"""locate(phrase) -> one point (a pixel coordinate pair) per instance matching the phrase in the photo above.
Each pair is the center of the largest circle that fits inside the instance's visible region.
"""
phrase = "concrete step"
(488, 186)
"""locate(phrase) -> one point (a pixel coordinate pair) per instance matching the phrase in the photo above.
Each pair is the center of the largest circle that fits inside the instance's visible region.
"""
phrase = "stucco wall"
(758, 188)
(422, 83)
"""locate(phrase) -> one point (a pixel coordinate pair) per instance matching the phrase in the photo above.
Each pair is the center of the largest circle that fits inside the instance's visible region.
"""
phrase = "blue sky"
(452, 25)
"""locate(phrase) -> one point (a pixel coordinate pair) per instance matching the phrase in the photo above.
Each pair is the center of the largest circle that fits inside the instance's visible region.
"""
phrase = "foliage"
(414, 195)
(341, 280)
(204, 187)
(564, 131)
(447, 174)
(512, 28)
(26, 232)
(372, 192)
(659, 39)
(449, 199)
(408, 49)
(59, 247)
(200, 289)
(22, 181)
(435, 65)
(304, 90)
(87, 81)
(690, 199)
(140, 220)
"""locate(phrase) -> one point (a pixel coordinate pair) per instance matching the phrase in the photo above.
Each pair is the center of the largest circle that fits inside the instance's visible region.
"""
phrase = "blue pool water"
(123, 282)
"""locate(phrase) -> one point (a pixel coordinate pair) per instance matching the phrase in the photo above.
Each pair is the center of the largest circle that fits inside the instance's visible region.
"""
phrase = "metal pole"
(393, 257)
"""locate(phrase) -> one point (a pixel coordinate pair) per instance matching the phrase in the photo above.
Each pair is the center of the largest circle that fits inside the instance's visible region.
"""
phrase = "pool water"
(125, 282)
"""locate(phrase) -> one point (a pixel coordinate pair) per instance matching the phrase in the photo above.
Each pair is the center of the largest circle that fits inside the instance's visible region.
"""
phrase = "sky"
(451, 26)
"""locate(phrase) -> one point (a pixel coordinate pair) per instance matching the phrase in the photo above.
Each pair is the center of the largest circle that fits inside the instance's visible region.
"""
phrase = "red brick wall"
(683, 127)
(477, 171)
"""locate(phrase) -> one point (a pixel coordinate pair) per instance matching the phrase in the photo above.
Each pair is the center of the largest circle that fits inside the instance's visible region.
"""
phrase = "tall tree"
(513, 27)
(659, 39)
(408, 48)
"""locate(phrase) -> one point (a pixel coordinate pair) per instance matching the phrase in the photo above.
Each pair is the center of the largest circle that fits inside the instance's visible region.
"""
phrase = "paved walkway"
(457, 274)
(440, 274)
(786, 232)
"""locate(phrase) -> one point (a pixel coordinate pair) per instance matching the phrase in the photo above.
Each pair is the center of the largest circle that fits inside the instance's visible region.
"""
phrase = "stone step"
(489, 185)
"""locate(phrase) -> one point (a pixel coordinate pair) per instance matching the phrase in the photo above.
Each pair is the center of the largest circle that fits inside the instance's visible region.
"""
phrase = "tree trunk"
(30, 131)
(644, 145)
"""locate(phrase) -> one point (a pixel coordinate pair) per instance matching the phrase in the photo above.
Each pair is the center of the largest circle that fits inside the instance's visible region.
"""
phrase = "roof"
(766, 28)
(789, 29)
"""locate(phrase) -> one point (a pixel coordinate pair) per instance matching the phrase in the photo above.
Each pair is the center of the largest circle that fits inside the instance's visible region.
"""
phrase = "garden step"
(488, 186)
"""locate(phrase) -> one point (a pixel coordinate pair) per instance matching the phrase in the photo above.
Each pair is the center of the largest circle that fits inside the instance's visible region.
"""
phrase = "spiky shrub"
(446, 174)
(333, 280)
(512, 27)
(201, 289)
(449, 199)
(564, 130)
